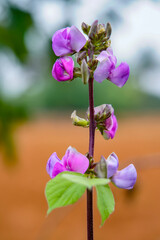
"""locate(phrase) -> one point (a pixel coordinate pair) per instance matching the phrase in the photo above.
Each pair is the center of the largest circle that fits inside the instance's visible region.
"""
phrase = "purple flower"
(67, 40)
(107, 69)
(111, 126)
(125, 178)
(63, 69)
(108, 168)
(72, 161)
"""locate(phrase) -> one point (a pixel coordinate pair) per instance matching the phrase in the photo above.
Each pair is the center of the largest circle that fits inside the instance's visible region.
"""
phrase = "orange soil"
(23, 205)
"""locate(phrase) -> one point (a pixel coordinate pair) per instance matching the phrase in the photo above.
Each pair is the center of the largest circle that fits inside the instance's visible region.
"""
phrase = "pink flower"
(107, 69)
(72, 161)
(63, 69)
(105, 120)
(111, 126)
(67, 41)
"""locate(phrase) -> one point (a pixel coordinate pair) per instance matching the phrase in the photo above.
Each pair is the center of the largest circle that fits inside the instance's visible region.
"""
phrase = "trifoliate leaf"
(61, 192)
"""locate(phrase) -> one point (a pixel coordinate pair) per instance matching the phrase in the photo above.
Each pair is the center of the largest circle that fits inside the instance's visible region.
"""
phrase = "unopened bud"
(93, 29)
(85, 28)
(108, 30)
(93, 64)
(101, 29)
(77, 121)
(101, 168)
(102, 112)
(84, 72)
(81, 55)
(77, 72)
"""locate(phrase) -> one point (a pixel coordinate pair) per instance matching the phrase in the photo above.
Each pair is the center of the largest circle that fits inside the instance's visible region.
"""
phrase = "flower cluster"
(94, 55)
(108, 168)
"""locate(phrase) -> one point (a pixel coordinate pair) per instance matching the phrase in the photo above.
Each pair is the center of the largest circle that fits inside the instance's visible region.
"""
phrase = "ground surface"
(23, 206)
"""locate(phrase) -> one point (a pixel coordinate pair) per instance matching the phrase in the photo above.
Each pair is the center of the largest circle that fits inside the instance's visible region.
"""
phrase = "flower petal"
(58, 168)
(61, 42)
(52, 163)
(103, 70)
(102, 56)
(112, 164)
(111, 126)
(77, 39)
(125, 178)
(120, 75)
(68, 64)
(109, 55)
(75, 161)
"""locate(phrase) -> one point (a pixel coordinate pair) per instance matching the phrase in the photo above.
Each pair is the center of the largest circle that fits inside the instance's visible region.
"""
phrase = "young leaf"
(105, 201)
(62, 192)
(83, 180)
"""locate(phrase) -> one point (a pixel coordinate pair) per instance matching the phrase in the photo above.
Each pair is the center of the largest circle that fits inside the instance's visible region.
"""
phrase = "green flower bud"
(80, 56)
(93, 29)
(77, 121)
(108, 30)
(101, 168)
(84, 71)
(76, 72)
(85, 28)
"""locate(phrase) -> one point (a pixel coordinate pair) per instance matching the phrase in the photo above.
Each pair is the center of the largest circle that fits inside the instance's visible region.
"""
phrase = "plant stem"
(91, 153)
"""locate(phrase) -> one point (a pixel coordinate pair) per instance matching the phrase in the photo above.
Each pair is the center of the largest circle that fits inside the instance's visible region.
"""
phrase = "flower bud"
(77, 72)
(106, 168)
(101, 168)
(93, 29)
(80, 56)
(63, 69)
(100, 28)
(85, 28)
(101, 31)
(103, 112)
(105, 120)
(77, 121)
(108, 30)
(92, 64)
(84, 71)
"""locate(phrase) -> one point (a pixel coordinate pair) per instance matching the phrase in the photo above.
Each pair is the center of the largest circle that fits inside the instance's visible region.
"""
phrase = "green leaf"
(83, 180)
(61, 192)
(105, 201)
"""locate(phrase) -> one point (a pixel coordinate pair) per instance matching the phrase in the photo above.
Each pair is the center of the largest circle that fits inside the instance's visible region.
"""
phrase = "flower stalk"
(91, 153)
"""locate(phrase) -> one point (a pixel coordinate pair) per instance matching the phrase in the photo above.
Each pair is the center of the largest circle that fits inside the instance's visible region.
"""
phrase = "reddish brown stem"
(91, 153)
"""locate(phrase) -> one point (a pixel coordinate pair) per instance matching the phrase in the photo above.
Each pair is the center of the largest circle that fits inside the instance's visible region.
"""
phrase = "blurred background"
(35, 120)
